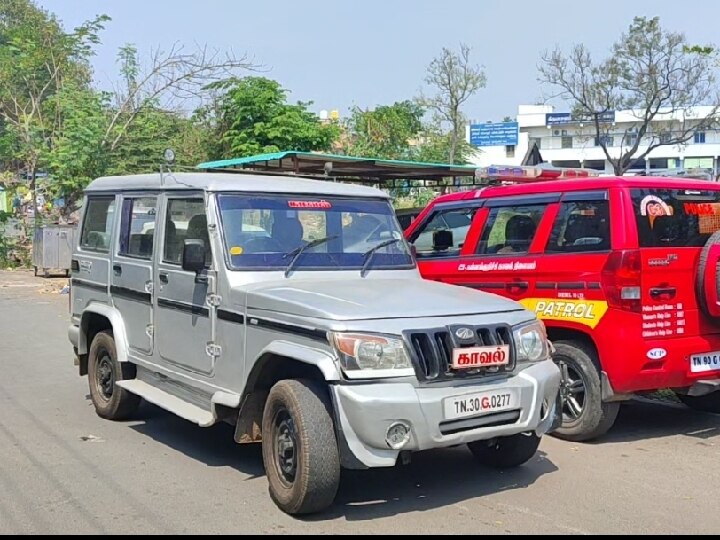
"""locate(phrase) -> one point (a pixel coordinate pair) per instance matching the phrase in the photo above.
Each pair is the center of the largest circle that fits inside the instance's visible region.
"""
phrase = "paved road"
(63, 470)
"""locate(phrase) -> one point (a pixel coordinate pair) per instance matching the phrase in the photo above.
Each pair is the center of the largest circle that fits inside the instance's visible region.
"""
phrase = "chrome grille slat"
(431, 351)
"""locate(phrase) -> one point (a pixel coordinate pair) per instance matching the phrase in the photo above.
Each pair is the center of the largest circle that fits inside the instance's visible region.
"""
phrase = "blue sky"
(339, 53)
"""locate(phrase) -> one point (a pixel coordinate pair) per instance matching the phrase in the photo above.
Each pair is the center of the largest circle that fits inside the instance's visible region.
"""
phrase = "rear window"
(676, 217)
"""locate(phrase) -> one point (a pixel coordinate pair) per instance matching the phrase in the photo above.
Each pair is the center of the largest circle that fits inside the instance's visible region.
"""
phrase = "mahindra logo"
(464, 333)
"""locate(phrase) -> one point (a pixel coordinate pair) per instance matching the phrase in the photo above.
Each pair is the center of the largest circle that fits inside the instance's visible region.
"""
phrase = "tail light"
(621, 280)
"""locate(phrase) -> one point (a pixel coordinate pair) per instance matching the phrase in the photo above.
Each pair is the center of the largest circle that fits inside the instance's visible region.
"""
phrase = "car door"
(183, 324)
(568, 287)
(507, 254)
(132, 270)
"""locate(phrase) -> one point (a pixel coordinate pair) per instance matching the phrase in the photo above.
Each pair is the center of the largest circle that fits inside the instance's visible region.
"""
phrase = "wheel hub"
(572, 392)
(286, 446)
(105, 377)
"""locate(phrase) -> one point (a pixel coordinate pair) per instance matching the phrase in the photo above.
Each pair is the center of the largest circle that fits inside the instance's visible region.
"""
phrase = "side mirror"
(443, 240)
(193, 256)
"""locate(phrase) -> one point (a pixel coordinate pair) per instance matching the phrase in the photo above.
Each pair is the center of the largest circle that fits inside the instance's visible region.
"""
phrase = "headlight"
(365, 356)
(531, 342)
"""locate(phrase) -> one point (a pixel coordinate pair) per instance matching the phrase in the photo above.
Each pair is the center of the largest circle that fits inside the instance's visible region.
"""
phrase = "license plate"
(701, 363)
(481, 403)
(480, 357)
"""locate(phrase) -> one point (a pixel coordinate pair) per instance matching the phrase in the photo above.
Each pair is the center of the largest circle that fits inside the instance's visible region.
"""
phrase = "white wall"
(531, 121)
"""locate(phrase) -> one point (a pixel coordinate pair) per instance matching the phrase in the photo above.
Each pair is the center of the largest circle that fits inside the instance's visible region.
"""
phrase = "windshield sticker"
(323, 205)
(236, 250)
(498, 266)
(702, 209)
(585, 312)
(653, 206)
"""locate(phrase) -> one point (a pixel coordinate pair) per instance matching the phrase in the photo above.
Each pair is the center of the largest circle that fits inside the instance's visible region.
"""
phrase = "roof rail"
(511, 174)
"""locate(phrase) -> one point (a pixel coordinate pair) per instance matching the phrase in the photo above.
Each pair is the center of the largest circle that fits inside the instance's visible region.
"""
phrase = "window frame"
(580, 198)
(169, 199)
(88, 201)
(498, 205)
(134, 197)
(475, 206)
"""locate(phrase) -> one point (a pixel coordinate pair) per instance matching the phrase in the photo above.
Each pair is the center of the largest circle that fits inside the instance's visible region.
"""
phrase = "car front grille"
(432, 350)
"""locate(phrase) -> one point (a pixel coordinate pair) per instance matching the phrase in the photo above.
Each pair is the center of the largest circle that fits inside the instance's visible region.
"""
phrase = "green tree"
(37, 60)
(455, 80)
(251, 116)
(651, 72)
(387, 132)
(435, 145)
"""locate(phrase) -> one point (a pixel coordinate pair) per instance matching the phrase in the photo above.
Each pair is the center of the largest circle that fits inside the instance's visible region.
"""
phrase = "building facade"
(567, 142)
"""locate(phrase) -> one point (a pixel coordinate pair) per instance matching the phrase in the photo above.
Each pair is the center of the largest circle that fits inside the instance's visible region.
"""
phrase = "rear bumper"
(365, 412)
(630, 368)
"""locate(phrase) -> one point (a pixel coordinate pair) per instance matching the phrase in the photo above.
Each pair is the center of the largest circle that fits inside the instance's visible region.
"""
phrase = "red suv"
(623, 270)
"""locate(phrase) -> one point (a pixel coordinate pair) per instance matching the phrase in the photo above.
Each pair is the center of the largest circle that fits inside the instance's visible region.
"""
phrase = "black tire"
(506, 452)
(585, 416)
(707, 403)
(299, 447)
(700, 291)
(111, 402)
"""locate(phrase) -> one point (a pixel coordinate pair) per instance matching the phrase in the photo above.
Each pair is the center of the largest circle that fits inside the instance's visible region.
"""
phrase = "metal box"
(53, 248)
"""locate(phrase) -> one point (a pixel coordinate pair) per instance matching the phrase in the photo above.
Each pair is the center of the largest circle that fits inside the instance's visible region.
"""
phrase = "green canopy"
(342, 167)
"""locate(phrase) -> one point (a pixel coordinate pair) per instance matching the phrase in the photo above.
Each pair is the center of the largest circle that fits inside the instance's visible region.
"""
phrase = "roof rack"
(511, 174)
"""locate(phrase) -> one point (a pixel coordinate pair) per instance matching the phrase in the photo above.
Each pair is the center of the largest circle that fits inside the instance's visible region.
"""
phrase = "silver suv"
(293, 309)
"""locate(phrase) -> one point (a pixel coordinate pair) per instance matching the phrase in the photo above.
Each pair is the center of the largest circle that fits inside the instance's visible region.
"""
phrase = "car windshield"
(260, 231)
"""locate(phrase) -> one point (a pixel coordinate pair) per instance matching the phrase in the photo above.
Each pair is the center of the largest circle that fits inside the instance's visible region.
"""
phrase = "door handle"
(164, 277)
(117, 270)
(520, 285)
(657, 292)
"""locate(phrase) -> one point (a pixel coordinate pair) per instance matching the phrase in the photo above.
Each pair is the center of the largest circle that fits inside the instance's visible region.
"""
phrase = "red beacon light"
(498, 174)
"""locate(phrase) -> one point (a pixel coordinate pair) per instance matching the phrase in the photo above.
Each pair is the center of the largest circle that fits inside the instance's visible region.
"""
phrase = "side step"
(169, 402)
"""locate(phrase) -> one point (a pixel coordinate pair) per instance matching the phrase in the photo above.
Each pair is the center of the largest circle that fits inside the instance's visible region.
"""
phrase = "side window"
(456, 220)
(97, 224)
(137, 227)
(580, 227)
(186, 220)
(510, 229)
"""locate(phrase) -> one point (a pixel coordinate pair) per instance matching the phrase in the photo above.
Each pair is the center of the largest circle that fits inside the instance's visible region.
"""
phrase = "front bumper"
(365, 412)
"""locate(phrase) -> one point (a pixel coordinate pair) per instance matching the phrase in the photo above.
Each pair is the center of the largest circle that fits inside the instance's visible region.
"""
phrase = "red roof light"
(513, 175)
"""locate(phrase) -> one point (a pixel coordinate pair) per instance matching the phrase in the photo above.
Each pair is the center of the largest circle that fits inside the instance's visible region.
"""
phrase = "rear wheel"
(706, 305)
(585, 416)
(707, 403)
(104, 371)
(506, 452)
(299, 448)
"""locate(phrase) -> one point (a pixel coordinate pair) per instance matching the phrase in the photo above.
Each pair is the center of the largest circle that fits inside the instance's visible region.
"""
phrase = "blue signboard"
(558, 119)
(502, 134)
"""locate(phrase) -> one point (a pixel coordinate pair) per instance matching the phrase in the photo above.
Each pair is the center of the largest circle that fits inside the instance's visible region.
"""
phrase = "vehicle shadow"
(432, 480)
(643, 419)
(212, 446)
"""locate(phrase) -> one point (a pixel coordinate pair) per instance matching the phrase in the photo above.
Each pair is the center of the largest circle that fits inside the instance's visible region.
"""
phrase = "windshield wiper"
(368, 255)
(295, 253)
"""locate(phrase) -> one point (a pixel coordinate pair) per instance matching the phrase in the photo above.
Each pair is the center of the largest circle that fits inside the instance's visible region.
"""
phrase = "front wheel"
(111, 402)
(707, 403)
(584, 415)
(299, 447)
(506, 452)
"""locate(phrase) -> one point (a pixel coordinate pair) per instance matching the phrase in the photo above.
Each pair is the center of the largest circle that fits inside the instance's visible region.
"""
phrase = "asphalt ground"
(64, 470)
